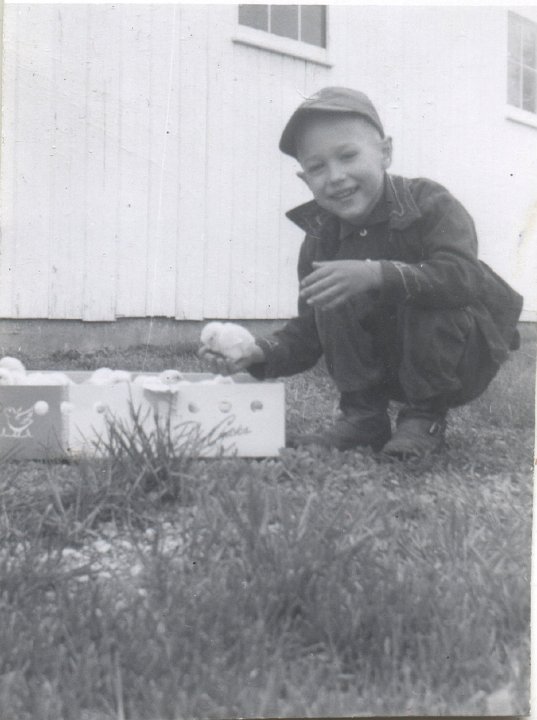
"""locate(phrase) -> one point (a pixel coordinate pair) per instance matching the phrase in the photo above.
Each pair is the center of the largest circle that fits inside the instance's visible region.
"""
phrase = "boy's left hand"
(334, 282)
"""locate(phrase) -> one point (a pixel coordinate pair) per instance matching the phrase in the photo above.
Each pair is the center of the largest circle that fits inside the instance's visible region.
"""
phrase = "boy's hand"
(221, 365)
(334, 282)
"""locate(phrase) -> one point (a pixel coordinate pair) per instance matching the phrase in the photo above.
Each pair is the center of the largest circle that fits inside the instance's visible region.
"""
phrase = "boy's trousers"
(419, 356)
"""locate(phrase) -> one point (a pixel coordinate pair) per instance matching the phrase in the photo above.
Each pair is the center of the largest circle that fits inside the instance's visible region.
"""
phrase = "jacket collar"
(403, 211)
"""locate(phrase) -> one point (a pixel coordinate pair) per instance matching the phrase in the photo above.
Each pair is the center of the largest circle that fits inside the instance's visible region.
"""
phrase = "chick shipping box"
(243, 417)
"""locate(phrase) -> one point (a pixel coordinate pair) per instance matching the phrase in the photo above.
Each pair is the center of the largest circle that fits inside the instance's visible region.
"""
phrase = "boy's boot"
(420, 431)
(362, 422)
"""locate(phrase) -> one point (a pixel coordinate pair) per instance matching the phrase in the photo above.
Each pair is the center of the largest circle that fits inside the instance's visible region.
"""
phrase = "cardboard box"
(244, 418)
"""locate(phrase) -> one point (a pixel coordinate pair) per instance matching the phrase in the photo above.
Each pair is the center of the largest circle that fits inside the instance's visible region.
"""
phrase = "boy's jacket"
(429, 259)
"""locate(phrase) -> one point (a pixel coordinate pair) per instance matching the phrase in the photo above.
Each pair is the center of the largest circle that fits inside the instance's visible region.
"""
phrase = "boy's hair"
(329, 100)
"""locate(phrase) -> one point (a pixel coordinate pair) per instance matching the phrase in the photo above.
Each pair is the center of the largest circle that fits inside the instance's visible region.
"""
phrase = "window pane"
(255, 16)
(284, 20)
(515, 37)
(313, 24)
(529, 37)
(529, 94)
(513, 84)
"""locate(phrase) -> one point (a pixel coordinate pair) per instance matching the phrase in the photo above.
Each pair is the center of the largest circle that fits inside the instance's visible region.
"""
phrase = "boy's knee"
(444, 353)
(476, 368)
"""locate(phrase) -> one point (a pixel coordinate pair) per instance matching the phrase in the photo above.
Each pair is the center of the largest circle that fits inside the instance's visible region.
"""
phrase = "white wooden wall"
(140, 170)
(438, 75)
(140, 173)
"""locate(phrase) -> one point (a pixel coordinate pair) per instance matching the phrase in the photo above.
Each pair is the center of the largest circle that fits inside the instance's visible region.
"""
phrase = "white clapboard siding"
(101, 172)
(140, 173)
(272, 278)
(32, 162)
(191, 163)
(163, 191)
(264, 244)
(266, 268)
(220, 153)
(8, 197)
(292, 190)
(68, 201)
(133, 36)
(246, 175)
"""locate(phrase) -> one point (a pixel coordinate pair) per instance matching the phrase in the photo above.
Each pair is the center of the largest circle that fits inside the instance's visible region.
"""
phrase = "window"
(306, 23)
(522, 63)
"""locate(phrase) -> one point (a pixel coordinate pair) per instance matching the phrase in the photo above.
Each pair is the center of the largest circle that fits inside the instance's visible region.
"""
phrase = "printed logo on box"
(18, 422)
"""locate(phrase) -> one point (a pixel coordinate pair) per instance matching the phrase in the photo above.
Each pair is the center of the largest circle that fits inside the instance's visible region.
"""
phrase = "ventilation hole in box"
(193, 408)
(224, 406)
(41, 407)
(256, 405)
(99, 407)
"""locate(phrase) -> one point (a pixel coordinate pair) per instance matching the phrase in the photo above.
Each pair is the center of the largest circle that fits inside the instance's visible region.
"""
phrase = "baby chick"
(228, 339)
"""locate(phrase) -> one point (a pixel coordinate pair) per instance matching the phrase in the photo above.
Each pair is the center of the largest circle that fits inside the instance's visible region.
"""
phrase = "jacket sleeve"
(448, 273)
(296, 347)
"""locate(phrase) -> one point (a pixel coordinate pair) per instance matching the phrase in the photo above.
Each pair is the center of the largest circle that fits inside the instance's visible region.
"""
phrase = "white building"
(140, 171)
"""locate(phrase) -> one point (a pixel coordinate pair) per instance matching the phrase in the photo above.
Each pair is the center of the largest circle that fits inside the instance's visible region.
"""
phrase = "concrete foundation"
(27, 336)
(48, 336)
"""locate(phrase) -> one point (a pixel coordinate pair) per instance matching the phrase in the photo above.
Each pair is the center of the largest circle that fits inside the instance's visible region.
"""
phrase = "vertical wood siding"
(191, 165)
(67, 289)
(140, 172)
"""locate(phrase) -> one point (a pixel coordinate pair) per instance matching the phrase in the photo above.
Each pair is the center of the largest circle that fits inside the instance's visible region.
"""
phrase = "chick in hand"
(228, 347)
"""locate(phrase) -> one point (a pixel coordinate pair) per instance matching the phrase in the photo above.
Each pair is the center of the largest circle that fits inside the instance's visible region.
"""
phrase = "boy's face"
(343, 161)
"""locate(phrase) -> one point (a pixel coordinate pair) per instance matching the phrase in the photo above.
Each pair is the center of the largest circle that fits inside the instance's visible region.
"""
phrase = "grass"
(155, 585)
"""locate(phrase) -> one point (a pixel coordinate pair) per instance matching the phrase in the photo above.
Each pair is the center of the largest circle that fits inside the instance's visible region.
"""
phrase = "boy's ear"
(387, 150)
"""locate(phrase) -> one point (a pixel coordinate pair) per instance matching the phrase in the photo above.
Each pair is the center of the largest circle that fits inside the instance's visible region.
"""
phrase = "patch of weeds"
(138, 470)
(152, 460)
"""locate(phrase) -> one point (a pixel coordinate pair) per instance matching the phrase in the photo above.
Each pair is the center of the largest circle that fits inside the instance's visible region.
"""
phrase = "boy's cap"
(330, 99)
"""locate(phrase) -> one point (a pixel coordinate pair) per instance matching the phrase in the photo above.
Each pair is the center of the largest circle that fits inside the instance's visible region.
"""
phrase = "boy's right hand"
(221, 365)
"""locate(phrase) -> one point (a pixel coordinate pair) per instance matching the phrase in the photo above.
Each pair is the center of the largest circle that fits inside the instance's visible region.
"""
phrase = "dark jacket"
(429, 259)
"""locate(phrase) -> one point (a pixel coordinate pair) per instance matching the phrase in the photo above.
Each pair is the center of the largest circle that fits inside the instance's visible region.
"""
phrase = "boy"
(391, 290)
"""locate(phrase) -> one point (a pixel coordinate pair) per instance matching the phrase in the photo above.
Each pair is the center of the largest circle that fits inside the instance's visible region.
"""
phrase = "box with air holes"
(230, 417)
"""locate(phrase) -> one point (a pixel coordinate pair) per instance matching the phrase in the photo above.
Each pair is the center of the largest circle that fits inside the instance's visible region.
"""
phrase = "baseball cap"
(329, 99)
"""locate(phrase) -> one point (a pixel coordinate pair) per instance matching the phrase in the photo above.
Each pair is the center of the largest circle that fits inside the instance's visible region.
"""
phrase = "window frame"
(265, 40)
(513, 112)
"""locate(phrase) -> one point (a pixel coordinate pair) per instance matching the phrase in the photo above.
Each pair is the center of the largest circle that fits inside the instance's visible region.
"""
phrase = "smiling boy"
(391, 290)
